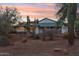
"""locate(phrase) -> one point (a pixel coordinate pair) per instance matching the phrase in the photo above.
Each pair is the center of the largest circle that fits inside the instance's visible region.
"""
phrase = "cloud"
(36, 10)
(29, 10)
(29, 13)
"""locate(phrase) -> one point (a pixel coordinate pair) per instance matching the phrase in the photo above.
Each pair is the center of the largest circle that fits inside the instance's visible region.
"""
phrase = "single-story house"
(45, 24)
(64, 28)
(20, 27)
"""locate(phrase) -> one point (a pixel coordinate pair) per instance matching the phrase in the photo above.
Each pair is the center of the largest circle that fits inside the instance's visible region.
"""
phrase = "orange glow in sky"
(35, 10)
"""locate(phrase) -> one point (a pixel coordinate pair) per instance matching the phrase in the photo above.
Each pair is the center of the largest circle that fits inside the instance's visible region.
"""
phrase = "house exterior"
(20, 27)
(64, 28)
(46, 23)
(39, 27)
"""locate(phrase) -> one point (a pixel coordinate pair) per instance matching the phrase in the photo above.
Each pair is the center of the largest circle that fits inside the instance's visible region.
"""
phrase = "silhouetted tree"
(36, 28)
(68, 10)
(28, 24)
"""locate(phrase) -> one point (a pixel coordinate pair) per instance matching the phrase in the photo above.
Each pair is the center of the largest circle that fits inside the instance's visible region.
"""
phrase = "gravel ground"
(40, 48)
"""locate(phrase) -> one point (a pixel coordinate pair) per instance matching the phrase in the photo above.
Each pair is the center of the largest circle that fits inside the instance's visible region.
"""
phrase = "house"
(39, 27)
(20, 27)
(64, 28)
(46, 23)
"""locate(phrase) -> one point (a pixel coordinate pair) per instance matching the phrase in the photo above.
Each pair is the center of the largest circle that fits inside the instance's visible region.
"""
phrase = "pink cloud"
(37, 11)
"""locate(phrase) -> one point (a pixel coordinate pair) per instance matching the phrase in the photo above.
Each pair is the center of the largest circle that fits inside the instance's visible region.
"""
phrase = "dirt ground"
(39, 48)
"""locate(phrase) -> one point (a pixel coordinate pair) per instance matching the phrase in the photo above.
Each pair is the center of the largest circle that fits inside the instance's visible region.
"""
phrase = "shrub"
(4, 41)
(65, 35)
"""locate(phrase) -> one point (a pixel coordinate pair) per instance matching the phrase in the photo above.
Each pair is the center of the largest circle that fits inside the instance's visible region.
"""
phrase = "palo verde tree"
(69, 11)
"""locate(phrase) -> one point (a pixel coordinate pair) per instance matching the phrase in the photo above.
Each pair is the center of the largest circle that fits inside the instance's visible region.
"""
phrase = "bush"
(4, 41)
(66, 35)
(36, 37)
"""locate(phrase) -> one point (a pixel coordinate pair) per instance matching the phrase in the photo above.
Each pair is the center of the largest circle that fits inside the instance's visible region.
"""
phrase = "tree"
(68, 10)
(28, 24)
(77, 21)
(8, 17)
(76, 25)
(35, 24)
(36, 29)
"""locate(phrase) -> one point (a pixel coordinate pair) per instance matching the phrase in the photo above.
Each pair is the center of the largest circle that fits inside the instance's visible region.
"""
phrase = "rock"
(65, 51)
(24, 41)
(57, 49)
(5, 54)
(60, 50)
(4, 41)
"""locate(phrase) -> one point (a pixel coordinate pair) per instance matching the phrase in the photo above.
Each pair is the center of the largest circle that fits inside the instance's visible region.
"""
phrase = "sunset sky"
(35, 10)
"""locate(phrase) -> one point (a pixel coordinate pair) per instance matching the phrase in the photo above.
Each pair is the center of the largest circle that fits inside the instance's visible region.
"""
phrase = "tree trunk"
(71, 15)
(71, 34)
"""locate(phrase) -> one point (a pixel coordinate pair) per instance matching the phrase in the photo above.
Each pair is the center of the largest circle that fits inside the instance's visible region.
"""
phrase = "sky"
(35, 10)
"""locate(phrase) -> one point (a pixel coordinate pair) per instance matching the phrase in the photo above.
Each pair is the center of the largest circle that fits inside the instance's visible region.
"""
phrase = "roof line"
(47, 18)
